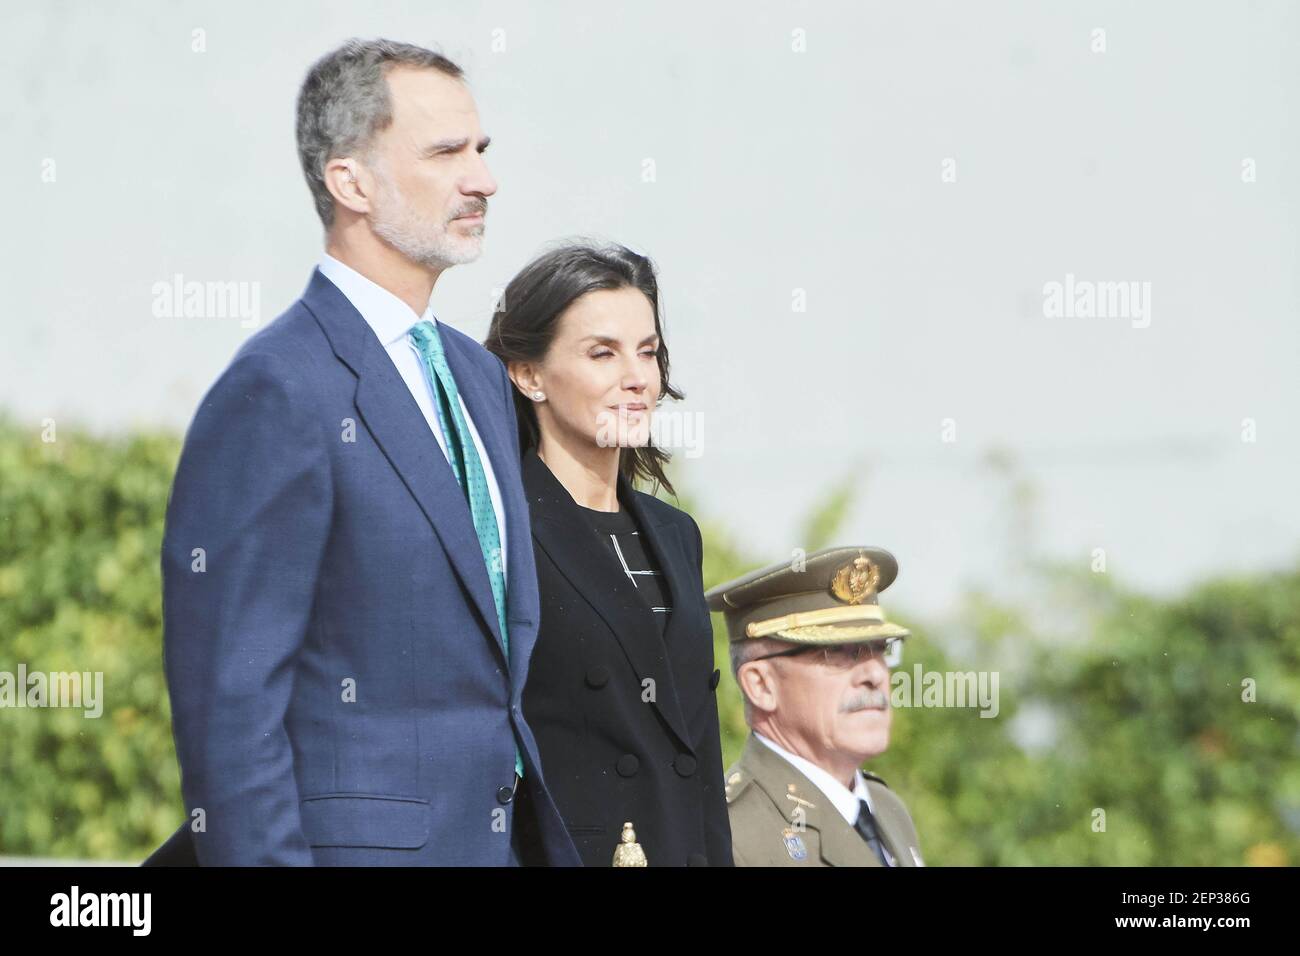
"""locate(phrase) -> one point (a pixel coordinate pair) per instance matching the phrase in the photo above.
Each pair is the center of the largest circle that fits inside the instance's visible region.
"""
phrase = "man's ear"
(351, 184)
(757, 684)
(526, 376)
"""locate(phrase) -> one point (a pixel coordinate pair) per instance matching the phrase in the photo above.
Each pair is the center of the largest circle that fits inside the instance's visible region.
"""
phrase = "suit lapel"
(385, 404)
(889, 828)
(562, 531)
(664, 543)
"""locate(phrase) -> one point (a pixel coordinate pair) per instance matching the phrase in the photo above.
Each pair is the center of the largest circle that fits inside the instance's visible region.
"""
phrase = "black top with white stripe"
(618, 529)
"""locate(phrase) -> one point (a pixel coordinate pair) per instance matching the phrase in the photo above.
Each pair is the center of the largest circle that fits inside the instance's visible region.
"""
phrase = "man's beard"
(395, 221)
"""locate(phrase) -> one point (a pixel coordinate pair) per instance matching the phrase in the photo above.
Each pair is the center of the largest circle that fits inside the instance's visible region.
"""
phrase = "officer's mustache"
(865, 699)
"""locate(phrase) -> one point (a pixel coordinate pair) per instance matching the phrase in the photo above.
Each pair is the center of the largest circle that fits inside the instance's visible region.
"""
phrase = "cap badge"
(855, 580)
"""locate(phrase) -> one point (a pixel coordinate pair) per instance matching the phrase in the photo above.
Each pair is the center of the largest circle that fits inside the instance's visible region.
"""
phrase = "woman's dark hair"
(525, 325)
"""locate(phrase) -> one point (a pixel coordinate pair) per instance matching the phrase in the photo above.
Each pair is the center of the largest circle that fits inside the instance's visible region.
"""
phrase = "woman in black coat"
(621, 685)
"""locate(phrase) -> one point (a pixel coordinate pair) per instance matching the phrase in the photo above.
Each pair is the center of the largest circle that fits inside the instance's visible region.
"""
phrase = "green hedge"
(80, 531)
(1141, 698)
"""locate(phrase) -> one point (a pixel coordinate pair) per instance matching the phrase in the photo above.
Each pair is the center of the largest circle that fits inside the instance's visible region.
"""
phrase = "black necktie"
(866, 827)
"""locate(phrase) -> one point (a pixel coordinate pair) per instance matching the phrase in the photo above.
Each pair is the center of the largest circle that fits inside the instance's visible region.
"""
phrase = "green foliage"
(1109, 701)
(80, 590)
(1138, 703)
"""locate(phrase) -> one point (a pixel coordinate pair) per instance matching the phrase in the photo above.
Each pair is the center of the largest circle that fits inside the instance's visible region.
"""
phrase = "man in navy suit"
(349, 594)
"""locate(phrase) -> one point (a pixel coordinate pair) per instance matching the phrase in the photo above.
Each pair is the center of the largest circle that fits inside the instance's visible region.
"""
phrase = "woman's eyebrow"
(608, 340)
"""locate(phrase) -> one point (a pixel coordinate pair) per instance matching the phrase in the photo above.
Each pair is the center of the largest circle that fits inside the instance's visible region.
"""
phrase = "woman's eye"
(603, 354)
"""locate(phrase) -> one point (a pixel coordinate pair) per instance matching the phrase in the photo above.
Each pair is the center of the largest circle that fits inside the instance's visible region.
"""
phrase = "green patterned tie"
(468, 468)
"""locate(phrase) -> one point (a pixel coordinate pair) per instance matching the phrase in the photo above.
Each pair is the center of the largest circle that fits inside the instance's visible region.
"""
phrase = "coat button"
(697, 859)
(597, 676)
(505, 795)
(684, 764)
(627, 765)
(713, 680)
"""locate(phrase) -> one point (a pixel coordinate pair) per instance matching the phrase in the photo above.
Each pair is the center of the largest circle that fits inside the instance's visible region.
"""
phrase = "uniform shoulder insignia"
(737, 783)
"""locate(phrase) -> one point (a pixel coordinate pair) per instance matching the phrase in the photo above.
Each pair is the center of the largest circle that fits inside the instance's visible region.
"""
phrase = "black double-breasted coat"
(626, 720)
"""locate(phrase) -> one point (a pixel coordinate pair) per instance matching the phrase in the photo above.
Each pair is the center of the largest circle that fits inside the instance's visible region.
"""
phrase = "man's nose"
(479, 181)
(873, 673)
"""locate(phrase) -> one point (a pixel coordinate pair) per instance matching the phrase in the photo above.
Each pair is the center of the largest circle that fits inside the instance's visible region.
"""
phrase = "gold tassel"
(629, 852)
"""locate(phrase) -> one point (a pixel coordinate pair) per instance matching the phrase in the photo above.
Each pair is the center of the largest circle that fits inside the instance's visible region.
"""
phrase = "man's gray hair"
(742, 652)
(344, 102)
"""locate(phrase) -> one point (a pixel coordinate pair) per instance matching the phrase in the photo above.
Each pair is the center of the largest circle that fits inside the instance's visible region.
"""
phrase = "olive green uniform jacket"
(780, 818)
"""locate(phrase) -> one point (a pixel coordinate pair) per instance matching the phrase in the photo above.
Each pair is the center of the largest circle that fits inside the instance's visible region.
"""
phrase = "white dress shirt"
(391, 319)
(844, 800)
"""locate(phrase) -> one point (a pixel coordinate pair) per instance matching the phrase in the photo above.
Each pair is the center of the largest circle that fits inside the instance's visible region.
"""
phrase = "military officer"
(811, 651)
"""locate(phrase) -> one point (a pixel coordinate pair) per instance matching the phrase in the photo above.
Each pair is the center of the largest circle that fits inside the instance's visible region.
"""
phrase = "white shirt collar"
(389, 317)
(844, 800)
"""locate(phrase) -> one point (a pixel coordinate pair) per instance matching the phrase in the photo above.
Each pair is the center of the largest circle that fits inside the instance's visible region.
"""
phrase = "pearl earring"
(538, 396)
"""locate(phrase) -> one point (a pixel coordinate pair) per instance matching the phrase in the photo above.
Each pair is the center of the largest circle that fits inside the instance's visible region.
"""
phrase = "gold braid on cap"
(829, 615)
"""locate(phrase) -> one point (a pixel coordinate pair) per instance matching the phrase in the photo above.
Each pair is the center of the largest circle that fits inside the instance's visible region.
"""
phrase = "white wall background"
(776, 170)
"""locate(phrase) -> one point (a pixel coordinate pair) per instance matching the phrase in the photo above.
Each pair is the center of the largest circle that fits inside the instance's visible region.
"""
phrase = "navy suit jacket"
(339, 689)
